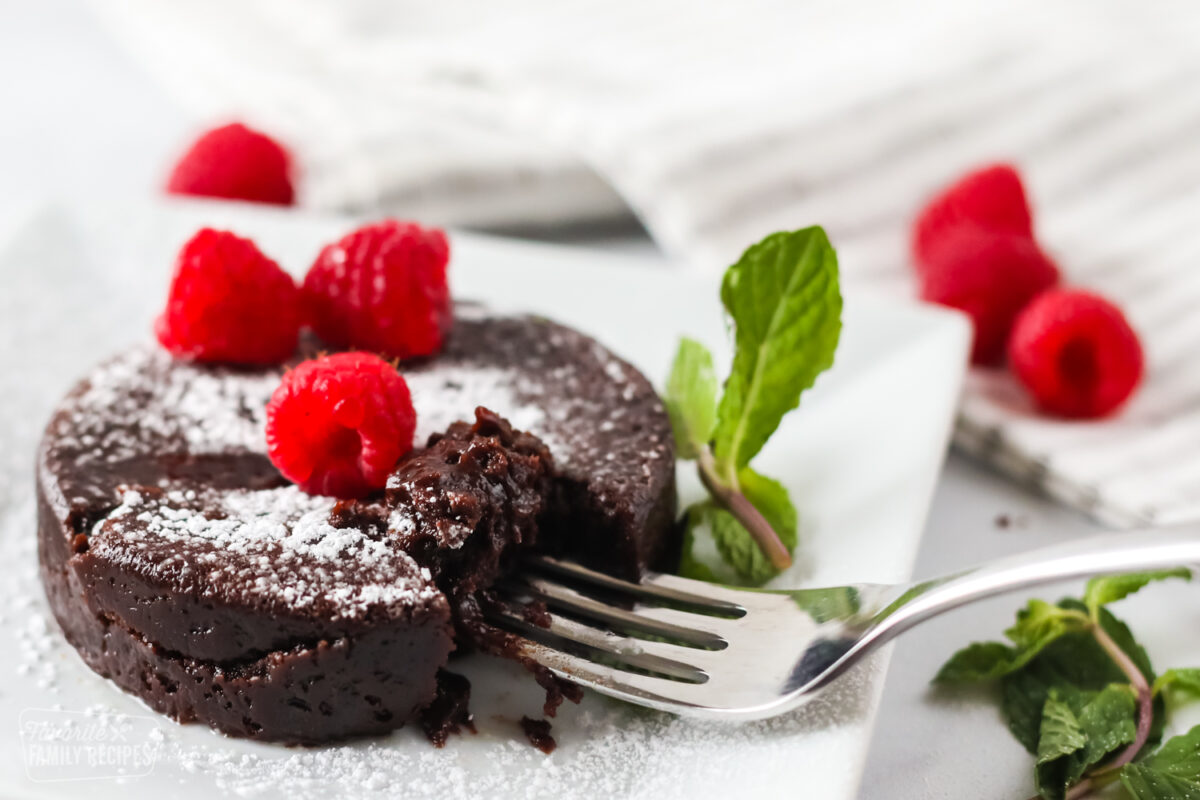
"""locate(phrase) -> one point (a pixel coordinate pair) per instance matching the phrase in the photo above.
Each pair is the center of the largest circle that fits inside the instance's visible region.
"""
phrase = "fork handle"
(1135, 551)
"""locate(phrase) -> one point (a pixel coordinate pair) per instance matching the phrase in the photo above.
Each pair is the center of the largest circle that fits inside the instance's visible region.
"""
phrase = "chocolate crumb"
(535, 612)
(449, 712)
(538, 733)
(556, 688)
(1006, 521)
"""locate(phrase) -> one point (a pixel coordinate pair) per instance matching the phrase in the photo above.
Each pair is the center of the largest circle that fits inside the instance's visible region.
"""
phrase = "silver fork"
(704, 650)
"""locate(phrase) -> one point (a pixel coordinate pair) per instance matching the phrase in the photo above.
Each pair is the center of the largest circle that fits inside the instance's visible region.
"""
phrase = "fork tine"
(717, 626)
(651, 656)
(613, 681)
(653, 587)
(567, 599)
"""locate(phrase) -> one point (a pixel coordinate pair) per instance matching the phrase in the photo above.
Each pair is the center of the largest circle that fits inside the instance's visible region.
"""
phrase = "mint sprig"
(1080, 694)
(784, 302)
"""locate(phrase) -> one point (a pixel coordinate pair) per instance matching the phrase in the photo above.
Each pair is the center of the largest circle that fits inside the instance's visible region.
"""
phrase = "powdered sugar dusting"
(141, 401)
(543, 379)
(278, 544)
(586, 404)
(24, 618)
(449, 394)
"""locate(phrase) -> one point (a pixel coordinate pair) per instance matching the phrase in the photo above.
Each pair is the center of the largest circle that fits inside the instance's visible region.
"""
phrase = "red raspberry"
(236, 163)
(229, 302)
(382, 288)
(992, 198)
(1075, 353)
(991, 277)
(338, 424)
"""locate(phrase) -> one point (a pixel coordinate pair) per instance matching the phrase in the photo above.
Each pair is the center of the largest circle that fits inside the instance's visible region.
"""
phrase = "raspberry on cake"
(228, 302)
(338, 424)
(382, 288)
(236, 163)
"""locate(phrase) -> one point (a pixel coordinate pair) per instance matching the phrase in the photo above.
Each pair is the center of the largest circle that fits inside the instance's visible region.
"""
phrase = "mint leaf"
(690, 566)
(1144, 783)
(1023, 696)
(771, 499)
(823, 605)
(785, 304)
(1180, 756)
(736, 547)
(1102, 591)
(1104, 722)
(1060, 734)
(980, 661)
(1179, 684)
(1038, 625)
(1109, 722)
(691, 398)
(735, 544)
(1060, 737)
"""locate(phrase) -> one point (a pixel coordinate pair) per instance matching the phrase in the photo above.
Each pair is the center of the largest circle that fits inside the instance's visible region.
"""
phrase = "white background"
(78, 116)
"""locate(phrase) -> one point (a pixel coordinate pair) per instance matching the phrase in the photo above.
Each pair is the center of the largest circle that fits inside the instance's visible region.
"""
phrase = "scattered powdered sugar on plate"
(606, 749)
(25, 619)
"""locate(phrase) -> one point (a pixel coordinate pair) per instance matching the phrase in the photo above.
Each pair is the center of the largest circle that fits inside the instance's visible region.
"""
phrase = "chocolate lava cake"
(185, 568)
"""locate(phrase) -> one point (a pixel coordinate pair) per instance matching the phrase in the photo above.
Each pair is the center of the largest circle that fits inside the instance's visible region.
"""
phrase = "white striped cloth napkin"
(716, 123)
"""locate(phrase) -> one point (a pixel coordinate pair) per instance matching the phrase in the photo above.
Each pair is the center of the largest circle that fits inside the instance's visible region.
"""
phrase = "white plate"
(860, 458)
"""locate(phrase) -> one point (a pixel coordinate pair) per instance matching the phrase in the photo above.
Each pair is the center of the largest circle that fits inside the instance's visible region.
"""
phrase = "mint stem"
(733, 501)
(1084, 787)
(1145, 697)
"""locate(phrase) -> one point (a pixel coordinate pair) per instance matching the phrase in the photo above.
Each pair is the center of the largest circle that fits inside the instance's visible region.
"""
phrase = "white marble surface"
(79, 117)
